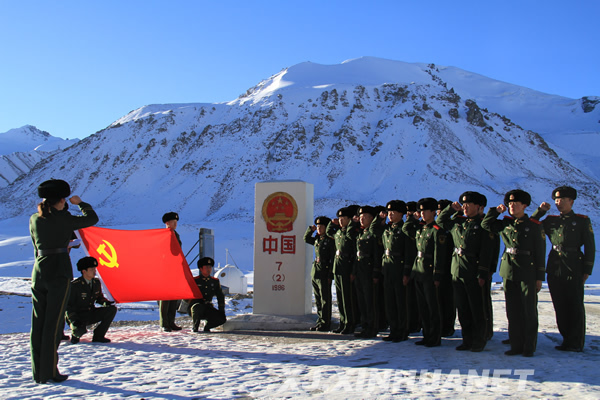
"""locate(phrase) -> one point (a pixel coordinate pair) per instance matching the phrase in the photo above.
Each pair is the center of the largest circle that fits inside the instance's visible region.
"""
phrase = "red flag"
(140, 265)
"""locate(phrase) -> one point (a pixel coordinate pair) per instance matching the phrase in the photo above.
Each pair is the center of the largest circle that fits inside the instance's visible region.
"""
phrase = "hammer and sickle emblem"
(111, 258)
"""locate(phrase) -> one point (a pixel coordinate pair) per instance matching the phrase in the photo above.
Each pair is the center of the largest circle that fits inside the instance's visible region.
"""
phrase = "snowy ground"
(142, 362)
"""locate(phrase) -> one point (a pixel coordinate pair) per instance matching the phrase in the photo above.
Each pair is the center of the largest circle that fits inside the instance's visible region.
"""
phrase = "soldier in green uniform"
(203, 309)
(568, 267)
(470, 266)
(322, 271)
(86, 291)
(414, 319)
(168, 308)
(344, 231)
(522, 268)
(446, 289)
(367, 270)
(51, 229)
(394, 271)
(494, 251)
(429, 267)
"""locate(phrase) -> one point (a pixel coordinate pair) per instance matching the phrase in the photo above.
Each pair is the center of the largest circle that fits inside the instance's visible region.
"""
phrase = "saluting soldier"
(429, 268)
(470, 266)
(394, 272)
(168, 308)
(568, 267)
(344, 232)
(203, 309)
(494, 251)
(414, 319)
(51, 229)
(322, 271)
(367, 271)
(522, 268)
(446, 289)
(86, 291)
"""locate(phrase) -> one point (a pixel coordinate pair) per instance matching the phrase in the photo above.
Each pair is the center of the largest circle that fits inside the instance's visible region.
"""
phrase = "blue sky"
(73, 67)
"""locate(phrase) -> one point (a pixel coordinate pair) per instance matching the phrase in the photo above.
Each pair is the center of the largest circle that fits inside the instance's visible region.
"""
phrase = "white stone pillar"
(282, 261)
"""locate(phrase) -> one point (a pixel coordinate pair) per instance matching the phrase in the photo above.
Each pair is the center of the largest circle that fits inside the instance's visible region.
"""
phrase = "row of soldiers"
(417, 272)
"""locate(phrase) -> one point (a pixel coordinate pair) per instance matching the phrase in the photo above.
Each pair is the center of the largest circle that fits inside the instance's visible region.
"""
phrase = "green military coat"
(526, 236)
(568, 233)
(471, 257)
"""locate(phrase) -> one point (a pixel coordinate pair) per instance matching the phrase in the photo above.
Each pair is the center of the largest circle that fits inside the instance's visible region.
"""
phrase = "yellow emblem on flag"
(111, 258)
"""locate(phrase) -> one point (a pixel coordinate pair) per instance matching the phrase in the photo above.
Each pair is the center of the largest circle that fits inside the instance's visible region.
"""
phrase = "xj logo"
(111, 259)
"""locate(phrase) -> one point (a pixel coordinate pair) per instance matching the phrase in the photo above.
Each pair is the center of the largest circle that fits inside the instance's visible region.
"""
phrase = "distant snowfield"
(142, 362)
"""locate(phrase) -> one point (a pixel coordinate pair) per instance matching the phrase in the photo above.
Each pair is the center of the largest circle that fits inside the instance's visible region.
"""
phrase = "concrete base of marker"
(263, 322)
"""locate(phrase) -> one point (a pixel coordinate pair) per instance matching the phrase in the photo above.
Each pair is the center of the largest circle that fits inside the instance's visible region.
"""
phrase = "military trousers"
(49, 299)
(103, 315)
(468, 296)
(366, 303)
(412, 306)
(488, 309)
(343, 289)
(208, 312)
(567, 298)
(447, 305)
(168, 310)
(522, 315)
(395, 302)
(429, 310)
(321, 285)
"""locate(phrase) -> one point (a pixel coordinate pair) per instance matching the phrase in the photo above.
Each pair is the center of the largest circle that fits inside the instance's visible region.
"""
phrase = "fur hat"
(54, 189)
(427, 203)
(206, 261)
(396, 205)
(322, 221)
(473, 197)
(86, 262)
(517, 195)
(170, 216)
(564, 191)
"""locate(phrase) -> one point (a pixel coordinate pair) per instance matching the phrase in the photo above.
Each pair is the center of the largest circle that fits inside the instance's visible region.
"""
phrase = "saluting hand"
(545, 206)
(456, 206)
(501, 208)
(75, 200)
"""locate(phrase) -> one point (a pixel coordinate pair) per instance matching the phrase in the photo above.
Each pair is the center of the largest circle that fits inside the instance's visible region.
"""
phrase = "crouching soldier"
(86, 291)
(203, 308)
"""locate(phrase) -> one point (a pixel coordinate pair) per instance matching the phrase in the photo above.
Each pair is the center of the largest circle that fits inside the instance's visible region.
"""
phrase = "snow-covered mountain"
(22, 148)
(28, 138)
(364, 131)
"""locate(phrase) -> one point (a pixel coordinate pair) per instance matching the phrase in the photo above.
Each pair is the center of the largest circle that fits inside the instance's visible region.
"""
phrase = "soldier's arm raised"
(491, 222)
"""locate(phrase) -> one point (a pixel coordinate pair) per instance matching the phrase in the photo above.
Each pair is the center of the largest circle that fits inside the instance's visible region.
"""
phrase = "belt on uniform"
(461, 252)
(392, 253)
(420, 254)
(558, 247)
(47, 252)
(361, 254)
(338, 253)
(514, 250)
